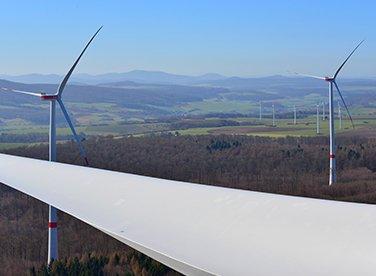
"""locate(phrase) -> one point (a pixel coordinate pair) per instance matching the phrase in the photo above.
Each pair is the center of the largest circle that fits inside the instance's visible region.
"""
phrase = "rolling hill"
(148, 94)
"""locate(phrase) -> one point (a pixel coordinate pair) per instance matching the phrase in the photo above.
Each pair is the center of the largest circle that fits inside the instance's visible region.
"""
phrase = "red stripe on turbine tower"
(332, 156)
(52, 224)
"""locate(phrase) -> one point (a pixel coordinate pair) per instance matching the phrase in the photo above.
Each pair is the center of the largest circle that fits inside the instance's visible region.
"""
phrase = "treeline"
(29, 138)
(294, 166)
(196, 123)
(214, 122)
(118, 263)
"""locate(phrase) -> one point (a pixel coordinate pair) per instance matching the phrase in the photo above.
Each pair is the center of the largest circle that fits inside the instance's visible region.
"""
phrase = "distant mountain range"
(140, 76)
(132, 78)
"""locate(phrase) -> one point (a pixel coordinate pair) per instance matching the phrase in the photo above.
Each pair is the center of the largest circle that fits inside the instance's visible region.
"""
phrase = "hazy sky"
(245, 38)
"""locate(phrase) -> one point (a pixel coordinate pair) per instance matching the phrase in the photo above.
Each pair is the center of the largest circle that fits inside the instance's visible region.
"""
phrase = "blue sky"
(244, 38)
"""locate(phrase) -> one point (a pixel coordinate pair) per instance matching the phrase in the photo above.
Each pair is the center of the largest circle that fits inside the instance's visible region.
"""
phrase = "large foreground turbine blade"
(75, 135)
(23, 92)
(344, 103)
(67, 76)
(207, 230)
(343, 64)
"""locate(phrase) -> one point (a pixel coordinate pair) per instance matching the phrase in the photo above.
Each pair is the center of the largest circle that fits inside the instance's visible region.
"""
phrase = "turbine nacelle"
(47, 97)
(329, 79)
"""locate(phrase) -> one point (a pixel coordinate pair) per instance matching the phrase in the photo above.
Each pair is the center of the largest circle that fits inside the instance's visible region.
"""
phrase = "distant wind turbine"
(53, 98)
(294, 114)
(332, 82)
(260, 111)
(339, 115)
(323, 111)
(273, 115)
(317, 119)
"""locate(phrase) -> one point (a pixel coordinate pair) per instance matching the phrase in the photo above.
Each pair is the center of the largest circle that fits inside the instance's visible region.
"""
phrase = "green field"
(365, 123)
(285, 127)
(218, 106)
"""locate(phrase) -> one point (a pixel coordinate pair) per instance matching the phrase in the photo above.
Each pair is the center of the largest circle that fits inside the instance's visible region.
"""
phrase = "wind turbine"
(53, 98)
(260, 117)
(294, 114)
(317, 119)
(323, 111)
(332, 83)
(273, 115)
(339, 115)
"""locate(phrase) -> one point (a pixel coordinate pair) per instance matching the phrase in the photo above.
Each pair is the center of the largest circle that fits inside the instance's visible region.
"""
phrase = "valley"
(182, 105)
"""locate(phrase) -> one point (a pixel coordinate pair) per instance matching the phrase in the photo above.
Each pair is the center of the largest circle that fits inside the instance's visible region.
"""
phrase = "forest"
(291, 165)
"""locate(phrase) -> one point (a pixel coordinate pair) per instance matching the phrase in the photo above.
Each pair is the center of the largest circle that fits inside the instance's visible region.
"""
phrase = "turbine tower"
(53, 98)
(317, 119)
(323, 111)
(260, 118)
(294, 114)
(273, 115)
(339, 115)
(332, 83)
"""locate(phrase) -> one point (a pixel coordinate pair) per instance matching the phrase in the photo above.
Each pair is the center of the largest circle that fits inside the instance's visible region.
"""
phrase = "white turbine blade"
(309, 76)
(22, 92)
(202, 229)
(67, 76)
(344, 103)
(75, 135)
(343, 64)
